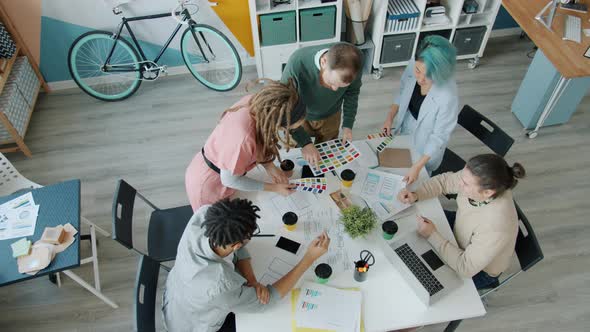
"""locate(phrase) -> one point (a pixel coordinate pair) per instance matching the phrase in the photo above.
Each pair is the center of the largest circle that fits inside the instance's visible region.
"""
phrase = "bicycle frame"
(125, 24)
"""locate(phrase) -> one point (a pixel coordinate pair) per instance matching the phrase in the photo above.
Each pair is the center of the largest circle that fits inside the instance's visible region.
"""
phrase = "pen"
(263, 235)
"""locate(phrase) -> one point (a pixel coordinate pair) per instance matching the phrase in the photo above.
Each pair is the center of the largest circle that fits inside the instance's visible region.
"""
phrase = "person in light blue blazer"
(427, 106)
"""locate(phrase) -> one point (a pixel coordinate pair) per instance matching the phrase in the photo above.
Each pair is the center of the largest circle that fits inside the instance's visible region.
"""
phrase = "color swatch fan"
(333, 155)
(312, 185)
(388, 139)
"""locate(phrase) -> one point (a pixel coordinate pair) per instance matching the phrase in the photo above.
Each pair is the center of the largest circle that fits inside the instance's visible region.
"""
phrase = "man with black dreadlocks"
(204, 289)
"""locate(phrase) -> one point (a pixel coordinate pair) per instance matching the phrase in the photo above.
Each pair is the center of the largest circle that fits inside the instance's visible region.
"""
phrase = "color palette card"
(312, 185)
(386, 141)
(333, 155)
(378, 135)
(384, 144)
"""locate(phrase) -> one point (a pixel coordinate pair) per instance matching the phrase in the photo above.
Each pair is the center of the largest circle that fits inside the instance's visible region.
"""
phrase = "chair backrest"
(451, 162)
(146, 287)
(485, 130)
(527, 247)
(11, 180)
(165, 231)
(124, 205)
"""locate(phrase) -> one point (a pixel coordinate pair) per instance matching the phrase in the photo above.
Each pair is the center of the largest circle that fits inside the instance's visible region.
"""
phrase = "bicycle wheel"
(86, 58)
(211, 57)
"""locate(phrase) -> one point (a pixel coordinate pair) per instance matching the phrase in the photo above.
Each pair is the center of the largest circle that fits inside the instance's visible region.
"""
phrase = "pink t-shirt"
(232, 144)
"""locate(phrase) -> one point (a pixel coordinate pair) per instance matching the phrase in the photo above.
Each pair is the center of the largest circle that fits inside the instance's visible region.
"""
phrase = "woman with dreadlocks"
(247, 134)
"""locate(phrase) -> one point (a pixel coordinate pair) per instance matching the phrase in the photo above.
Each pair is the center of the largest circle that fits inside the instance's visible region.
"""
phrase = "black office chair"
(528, 251)
(156, 244)
(146, 288)
(483, 129)
(164, 229)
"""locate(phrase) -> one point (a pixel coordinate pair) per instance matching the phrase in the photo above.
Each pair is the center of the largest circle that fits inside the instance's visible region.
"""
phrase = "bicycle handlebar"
(181, 6)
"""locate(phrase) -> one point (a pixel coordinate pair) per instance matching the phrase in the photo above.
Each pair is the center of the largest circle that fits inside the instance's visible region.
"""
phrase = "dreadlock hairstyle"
(274, 109)
(230, 221)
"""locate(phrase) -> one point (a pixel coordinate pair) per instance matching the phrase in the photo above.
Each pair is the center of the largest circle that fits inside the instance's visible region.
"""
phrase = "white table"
(388, 302)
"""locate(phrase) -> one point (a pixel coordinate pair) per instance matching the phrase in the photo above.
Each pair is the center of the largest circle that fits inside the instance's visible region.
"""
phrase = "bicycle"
(108, 67)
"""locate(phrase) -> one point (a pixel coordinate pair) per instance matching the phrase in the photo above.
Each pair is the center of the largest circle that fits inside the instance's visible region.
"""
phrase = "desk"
(388, 302)
(559, 76)
(59, 204)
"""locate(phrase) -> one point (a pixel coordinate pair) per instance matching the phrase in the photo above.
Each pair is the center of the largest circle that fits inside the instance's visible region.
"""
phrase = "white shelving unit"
(484, 17)
(271, 59)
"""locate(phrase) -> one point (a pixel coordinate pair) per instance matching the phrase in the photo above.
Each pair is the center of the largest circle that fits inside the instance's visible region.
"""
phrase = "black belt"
(209, 163)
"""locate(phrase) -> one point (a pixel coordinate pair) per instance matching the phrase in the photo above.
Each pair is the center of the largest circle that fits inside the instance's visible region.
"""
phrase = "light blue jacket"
(436, 120)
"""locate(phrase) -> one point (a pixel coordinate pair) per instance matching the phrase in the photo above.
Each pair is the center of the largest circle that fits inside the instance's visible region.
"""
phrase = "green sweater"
(321, 102)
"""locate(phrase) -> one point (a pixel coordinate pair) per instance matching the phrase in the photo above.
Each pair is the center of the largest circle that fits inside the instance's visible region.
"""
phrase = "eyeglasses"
(256, 232)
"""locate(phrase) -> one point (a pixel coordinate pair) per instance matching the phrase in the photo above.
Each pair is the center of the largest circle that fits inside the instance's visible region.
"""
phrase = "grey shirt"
(203, 288)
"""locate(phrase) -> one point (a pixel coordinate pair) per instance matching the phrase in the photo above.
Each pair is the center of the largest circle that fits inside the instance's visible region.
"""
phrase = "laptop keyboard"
(422, 273)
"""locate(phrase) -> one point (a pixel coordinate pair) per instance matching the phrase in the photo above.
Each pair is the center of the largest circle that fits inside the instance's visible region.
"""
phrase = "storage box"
(278, 28)
(16, 109)
(402, 15)
(317, 23)
(397, 48)
(25, 78)
(468, 40)
(443, 33)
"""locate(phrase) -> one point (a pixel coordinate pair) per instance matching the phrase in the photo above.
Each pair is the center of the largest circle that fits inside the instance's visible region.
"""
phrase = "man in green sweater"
(328, 79)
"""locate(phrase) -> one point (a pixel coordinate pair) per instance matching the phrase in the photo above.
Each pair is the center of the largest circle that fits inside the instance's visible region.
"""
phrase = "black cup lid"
(323, 271)
(290, 218)
(347, 175)
(389, 227)
(287, 165)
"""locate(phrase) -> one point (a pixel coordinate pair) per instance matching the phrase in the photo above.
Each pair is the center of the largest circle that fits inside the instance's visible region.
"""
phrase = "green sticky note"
(20, 247)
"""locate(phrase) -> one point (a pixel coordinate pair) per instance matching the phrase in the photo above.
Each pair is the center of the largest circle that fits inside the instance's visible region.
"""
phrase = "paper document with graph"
(326, 308)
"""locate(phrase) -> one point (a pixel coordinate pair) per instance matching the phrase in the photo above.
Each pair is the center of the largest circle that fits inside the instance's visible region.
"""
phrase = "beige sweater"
(486, 235)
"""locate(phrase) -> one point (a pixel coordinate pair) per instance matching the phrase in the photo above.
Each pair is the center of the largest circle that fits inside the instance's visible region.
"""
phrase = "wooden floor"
(150, 138)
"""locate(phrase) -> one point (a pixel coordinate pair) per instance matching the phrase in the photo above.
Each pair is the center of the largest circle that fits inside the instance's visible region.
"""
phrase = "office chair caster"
(473, 63)
(532, 134)
(378, 73)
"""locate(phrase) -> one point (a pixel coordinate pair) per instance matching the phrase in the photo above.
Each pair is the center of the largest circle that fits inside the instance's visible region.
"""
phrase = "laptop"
(421, 267)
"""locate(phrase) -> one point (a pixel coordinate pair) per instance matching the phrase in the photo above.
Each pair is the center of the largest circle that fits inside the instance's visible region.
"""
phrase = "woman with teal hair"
(427, 105)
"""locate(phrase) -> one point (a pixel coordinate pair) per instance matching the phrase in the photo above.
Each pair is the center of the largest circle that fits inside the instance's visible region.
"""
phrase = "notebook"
(395, 158)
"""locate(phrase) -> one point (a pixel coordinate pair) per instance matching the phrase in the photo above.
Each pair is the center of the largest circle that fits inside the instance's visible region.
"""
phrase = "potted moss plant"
(358, 221)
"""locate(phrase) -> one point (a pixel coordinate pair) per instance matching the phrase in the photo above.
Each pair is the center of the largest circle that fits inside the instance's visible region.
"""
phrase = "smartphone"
(306, 172)
(288, 245)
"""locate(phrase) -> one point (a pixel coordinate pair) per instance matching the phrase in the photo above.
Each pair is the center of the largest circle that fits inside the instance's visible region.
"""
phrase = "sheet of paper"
(297, 202)
(18, 217)
(327, 218)
(328, 308)
(280, 261)
(379, 189)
